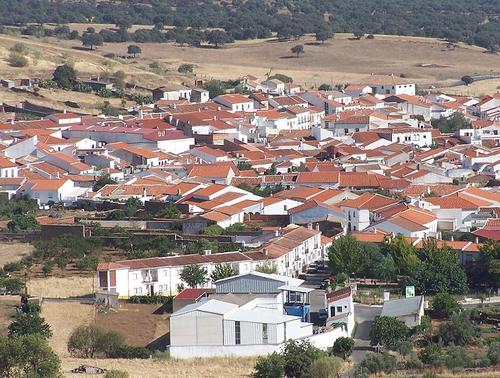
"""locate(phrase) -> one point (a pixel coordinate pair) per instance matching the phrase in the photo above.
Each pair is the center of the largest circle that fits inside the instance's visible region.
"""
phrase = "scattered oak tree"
(297, 50)
(134, 50)
(388, 332)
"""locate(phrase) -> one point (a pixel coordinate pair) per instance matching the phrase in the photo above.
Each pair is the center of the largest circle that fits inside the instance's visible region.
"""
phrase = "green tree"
(103, 181)
(460, 330)
(325, 87)
(194, 275)
(467, 79)
(325, 367)
(29, 324)
(217, 38)
(215, 88)
(213, 230)
(359, 34)
(343, 347)
(385, 269)
(323, 35)
(134, 50)
(270, 366)
(440, 272)
(376, 363)
(297, 50)
(444, 305)
(91, 341)
(132, 205)
(267, 267)
(403, 253)
(489, 264)
(455, 122)
(23, 222)
(388, 332)
(169, 211)
(64, 76)
(299, 356)
(493, 353)
(344, 256)
(92, 40)
(222, 271)
(27, 356)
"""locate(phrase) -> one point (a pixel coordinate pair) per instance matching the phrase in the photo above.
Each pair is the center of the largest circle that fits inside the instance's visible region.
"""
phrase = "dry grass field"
(8, 305)
(63, 318)
(10, 252)
(427, 61)
(194, 368)
(60, 287)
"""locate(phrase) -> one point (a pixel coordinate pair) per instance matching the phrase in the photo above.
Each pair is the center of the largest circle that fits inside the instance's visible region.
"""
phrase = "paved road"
(363, 315)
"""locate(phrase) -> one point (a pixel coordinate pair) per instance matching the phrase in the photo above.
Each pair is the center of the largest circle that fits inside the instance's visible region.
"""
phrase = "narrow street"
(364, 316)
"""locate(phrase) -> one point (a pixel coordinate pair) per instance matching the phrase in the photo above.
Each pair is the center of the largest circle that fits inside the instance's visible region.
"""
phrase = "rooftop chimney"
(264, 251)
(309, 226)
(207, 251)
(316, 226)
(144, 193)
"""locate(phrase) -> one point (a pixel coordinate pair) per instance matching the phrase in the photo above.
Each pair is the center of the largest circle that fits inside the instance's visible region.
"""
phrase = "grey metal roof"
(402, 307)
(296, 289)
(213, 306)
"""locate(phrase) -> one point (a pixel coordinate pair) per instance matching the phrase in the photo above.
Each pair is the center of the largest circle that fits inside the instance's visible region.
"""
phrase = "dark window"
(339, 308)
(237, 333)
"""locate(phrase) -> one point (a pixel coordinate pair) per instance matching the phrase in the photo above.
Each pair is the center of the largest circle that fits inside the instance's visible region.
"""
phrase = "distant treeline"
(474, 22)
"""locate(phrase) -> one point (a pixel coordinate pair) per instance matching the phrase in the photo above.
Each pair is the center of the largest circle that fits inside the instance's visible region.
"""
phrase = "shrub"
(130, 352)
(444, 305)
(494, 353)
(13, 266)
(270, 366)
(84, 88)
(414, 363)
(185, 68)
(343, 347)
(456, 358)
(299, 356)
(87, 263)
(17, 60)
(84, 341)
(379, 363)
(116, 374)
(459, 330)
(325, 367)
(430, 354)
(104, 92)
(29, 324)
(19, 48)
(110, 341)
(47, 84)
(150, 299)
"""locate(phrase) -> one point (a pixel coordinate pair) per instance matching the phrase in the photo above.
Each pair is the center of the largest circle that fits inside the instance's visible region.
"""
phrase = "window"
(265, 336)
(138, 290)
(134, 276)
(339, 308)
(237, 333)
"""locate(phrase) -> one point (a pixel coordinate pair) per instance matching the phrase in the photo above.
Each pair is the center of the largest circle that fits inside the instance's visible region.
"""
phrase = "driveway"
(364, 316)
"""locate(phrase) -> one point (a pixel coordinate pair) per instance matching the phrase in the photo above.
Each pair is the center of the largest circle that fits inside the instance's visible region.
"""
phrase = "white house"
(408, 310)
(55, 190)
(236, 102)
(389, 85)
(172, 92)
(7, 168)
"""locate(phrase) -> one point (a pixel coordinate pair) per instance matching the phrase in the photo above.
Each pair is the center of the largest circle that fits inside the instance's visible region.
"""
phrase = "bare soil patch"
(141, 324)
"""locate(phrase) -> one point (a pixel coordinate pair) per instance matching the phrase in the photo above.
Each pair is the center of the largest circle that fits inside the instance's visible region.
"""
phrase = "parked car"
(324, 284)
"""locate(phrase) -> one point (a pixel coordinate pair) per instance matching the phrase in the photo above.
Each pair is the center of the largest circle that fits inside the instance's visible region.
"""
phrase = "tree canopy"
(194, 275)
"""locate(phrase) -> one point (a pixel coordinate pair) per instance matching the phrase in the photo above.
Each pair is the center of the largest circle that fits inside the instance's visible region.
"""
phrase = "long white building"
(291, 253)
